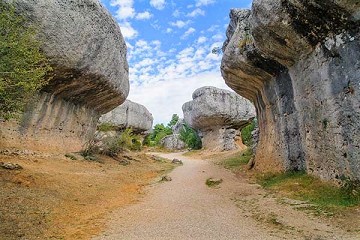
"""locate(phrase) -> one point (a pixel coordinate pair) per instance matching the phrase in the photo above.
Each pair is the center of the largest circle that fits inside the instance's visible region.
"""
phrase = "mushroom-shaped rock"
(90, 73)
(297, 61)
(129, 115)
(218, 115)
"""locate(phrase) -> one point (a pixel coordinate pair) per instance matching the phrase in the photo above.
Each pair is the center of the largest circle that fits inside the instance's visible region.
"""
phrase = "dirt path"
(186, 208)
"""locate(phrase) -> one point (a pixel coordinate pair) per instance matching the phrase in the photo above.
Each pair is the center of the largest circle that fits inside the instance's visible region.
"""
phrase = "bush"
(106, 127)
(159, 132)
(246, 133)
(23, 67)
(127, 140)
(190, 137)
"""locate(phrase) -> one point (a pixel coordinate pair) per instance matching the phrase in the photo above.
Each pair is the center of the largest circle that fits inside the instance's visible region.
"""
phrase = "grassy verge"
(236, 161)
(299, 185)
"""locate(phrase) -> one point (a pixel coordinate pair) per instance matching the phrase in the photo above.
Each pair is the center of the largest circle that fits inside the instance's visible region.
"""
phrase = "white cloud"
(125, 9)
(143, 16)
(204, 2)
(201, 40)
(171, 94)
(176, 13)
(179, 23)
(169, 30)
(188, 33)
(196, 12)
(158, 4)
(128, 31)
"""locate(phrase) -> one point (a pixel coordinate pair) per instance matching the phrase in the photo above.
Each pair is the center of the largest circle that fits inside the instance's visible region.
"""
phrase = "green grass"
(301, 186)
(239, 159)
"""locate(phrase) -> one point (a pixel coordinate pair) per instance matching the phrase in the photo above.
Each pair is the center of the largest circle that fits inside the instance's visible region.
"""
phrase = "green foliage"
(190, 137)
(173, 121)
(127, 140)
(159, 132)
(246, 133)
(301, 186)
(23, 67)
(239, 159)
(106, 127)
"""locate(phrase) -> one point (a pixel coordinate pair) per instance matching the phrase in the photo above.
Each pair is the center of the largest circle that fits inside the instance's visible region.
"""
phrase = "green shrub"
(158, 133)
(246, 133)
(127, 140)
(23, 67)
(106, 127)
(190, 137)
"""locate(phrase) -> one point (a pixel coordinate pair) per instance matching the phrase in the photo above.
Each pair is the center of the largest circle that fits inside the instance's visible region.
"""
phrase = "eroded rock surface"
(173, 142)
(129, 115)
(299, 63)
(88, 54)
(218, 115)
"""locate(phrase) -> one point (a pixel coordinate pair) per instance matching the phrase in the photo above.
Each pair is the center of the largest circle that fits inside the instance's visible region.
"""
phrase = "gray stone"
(298, 63)
(166, 178)
(218, 115)
(10, 166)
(176, 161)
(88, 54)
(173, 142)
(129, 115)
(178, 126)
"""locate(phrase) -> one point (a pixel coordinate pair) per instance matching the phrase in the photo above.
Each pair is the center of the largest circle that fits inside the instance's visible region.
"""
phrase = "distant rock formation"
(129, 115)
(218, 115)
(173, 141)
(88, 55)
(298, 61)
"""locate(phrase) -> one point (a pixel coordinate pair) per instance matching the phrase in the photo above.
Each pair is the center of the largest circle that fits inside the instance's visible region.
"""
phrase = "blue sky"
(169, 48)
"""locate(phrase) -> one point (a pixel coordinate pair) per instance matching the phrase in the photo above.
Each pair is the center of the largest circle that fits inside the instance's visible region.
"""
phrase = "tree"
(190, 137)
(174, 120)
(23, 67)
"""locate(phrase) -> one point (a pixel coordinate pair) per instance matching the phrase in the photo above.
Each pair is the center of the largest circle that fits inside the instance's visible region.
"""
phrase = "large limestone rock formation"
(298, 61)
(129, 115)
(88, 54)
(218, 115)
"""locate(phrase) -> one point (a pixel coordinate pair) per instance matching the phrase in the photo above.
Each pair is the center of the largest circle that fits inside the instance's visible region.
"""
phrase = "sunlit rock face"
(88, 54)
(299, 62)
(218, 115)
(129, 115)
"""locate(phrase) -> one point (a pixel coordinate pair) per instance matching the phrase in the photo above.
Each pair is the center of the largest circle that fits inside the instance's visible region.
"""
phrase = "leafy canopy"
(190, 137)
(23, 67)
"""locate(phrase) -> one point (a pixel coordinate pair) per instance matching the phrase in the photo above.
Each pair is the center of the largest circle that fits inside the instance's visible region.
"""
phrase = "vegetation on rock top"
(23, 67)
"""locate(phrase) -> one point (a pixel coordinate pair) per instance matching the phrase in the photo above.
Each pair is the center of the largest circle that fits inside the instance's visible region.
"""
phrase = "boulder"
(218, 115)
(297, 61)
(90, 77)
(129, 115)
(173, 142)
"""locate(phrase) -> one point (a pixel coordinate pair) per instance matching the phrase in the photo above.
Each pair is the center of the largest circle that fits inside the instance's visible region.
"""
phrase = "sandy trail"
(186, 208)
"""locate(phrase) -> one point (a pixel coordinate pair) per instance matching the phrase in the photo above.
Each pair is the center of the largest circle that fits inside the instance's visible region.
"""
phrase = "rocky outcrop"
(298, 61)
(129, 115)
(88, 54)
(173, 142)
(218, 115)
